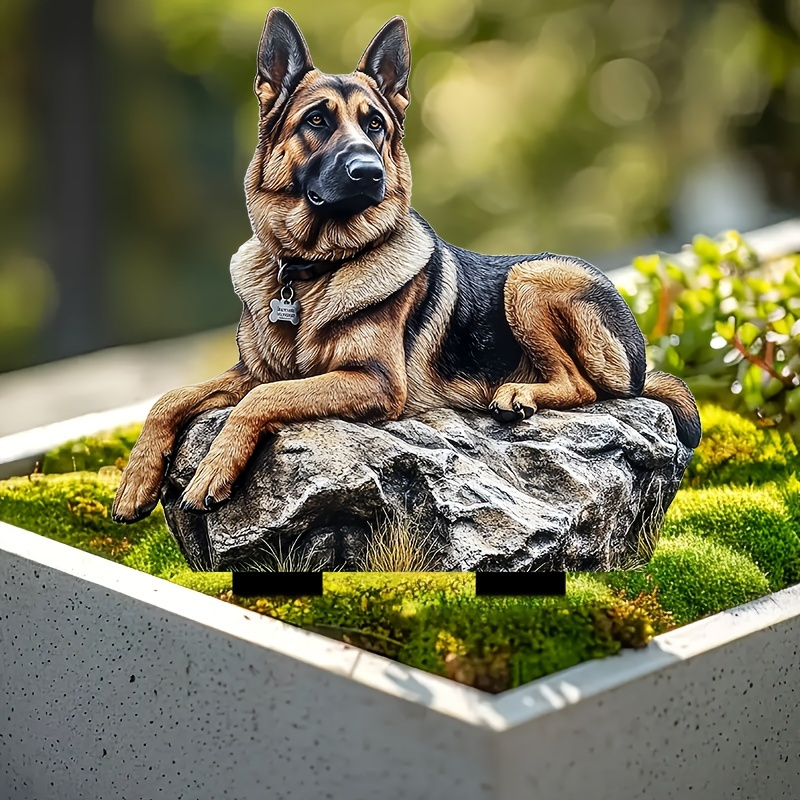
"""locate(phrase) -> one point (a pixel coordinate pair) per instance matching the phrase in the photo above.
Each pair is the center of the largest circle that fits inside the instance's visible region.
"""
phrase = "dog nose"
(363, 169)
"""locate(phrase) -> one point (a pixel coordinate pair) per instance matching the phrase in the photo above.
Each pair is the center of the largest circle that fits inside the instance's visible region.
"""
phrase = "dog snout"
(364, 169)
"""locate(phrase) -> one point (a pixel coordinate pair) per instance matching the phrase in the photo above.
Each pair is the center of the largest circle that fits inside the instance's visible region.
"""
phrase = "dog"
(353, 307)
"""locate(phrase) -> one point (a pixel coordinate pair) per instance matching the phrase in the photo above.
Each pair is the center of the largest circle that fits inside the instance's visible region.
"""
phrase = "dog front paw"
(137, 493)
(210, 487)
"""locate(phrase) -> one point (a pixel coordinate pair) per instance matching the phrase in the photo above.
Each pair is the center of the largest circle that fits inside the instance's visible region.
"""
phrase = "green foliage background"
(728, 323)
(564, 125)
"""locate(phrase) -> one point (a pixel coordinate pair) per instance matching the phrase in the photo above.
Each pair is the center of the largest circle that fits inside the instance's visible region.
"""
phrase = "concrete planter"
(121, 685)
(118, 684)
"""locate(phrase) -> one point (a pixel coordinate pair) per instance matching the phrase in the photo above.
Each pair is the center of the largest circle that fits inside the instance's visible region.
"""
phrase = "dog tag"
(284, 311)
(285, 308)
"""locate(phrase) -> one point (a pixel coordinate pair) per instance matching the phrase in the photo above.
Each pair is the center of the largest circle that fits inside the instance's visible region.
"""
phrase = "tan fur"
(141, 480)
(575, 352)
(672, 391)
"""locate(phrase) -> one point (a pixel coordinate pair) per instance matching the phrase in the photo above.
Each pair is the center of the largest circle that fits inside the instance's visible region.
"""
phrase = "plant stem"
(786, 380)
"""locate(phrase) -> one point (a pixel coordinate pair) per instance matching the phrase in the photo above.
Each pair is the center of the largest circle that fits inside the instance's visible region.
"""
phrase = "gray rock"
(578, 490)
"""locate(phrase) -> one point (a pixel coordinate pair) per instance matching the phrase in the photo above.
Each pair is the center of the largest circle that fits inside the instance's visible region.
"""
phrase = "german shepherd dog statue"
(353, 307)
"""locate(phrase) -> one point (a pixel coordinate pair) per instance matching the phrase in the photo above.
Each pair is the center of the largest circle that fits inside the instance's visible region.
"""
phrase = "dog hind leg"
(559, 311)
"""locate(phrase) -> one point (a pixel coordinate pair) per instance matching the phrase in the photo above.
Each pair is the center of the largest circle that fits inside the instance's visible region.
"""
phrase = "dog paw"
(509, 406)
(137, 494)
(206, 491)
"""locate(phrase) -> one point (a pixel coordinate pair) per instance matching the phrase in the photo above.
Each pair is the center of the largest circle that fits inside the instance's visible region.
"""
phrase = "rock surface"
(578, 490)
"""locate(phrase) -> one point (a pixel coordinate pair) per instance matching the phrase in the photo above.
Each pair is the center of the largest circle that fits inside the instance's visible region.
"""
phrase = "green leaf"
(751, 387)
(726, 329)
(647, 265)
(706, 249)
(773, 387)
(792, 404)
(748, 333)
(784, 325)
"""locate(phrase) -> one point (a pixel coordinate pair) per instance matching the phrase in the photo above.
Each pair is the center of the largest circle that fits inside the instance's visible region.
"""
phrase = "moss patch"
(90, 453)
(736, 450)
(756, 521)
(211, 583)
(435, 622)
(695, 577)
(74, 508)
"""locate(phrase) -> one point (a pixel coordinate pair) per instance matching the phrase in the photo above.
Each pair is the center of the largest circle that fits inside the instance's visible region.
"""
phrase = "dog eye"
(375, 124)
(317, 120)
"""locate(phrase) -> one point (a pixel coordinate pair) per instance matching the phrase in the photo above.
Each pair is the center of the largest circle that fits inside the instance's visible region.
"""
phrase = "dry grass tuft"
(271, 558)
(401, 542)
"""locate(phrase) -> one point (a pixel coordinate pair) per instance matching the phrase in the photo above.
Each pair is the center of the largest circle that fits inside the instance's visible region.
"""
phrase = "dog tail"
(674, 393)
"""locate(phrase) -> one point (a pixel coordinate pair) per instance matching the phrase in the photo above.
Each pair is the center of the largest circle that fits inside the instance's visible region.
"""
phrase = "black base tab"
(493, 584)
(269, 584)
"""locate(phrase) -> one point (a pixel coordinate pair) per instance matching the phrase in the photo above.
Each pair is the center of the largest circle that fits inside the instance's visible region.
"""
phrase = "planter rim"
(497, 713)
(22, 447)
(773, 241)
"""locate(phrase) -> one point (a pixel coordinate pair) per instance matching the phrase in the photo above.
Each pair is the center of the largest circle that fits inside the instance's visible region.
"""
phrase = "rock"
(565, 490)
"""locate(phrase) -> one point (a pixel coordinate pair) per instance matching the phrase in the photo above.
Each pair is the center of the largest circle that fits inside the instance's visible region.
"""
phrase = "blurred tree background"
(596, 128)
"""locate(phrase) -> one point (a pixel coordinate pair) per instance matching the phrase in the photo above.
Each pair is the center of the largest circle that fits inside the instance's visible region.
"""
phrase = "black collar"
(297, 270)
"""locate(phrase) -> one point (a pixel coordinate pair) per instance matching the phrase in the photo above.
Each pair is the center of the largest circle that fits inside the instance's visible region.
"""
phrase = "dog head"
(330, 175)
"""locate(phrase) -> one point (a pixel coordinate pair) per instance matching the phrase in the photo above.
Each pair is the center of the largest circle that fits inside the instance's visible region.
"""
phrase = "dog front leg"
(137, 494)
(368, 393)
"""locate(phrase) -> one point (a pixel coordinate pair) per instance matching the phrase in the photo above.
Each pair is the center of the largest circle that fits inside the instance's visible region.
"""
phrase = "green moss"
(212, 583)
(694, 577)
(89, 453)
(414, 584)
(75, 509)
(790, 494)
(436, 623)
(756, 521)
(156, 553)
(736, 450)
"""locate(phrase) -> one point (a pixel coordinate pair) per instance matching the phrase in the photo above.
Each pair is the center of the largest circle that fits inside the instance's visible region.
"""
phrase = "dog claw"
(503, 415)
(211, 504)
(516, 413)
(188, 506)
(138, 514)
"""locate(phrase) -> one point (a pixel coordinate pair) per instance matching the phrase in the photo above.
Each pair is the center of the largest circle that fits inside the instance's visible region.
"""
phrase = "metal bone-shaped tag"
(284, 308)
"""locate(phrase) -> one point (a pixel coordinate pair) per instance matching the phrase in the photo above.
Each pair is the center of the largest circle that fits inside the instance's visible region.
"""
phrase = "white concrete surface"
(120, 685)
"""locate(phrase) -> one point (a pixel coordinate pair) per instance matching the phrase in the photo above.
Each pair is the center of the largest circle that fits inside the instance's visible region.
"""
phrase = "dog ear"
(283, 59)
(388, 61)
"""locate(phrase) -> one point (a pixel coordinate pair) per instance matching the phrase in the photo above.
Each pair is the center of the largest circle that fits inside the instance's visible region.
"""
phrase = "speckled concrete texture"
(118, 685)
(106, 697)
(722, 725)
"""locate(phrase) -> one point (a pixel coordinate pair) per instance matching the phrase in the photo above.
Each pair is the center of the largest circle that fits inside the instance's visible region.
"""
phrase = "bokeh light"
(594, 128)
